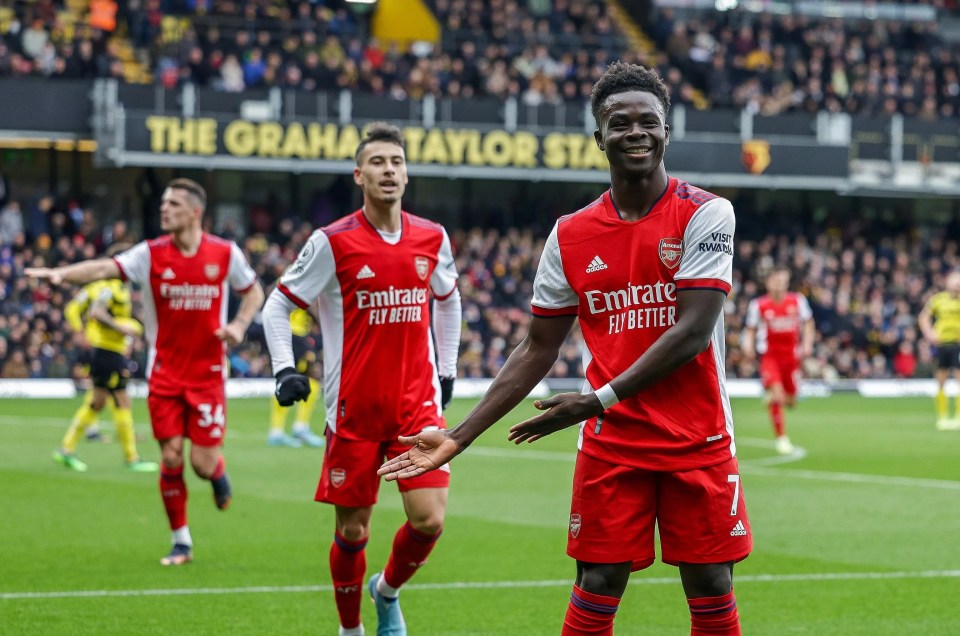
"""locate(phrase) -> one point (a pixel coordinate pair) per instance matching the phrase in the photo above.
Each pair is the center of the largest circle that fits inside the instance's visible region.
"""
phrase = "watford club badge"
(422, 265)
(211, 270)
(671, 249)
(755, 155)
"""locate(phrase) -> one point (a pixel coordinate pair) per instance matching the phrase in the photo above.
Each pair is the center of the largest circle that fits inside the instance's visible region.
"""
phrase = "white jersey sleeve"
(753, 314)
(313, 273)
(552, 294)
(803, 308)
(444, 278)
(277, 331)
(240, 275)
(134, 263)
(707, 261)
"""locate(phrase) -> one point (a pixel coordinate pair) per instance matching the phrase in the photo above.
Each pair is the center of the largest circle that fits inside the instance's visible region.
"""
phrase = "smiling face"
(381, 172)
(633, 132)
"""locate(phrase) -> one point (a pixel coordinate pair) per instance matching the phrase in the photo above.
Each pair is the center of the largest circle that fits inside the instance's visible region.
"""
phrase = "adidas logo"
(168, 274)
(365, 272)
(738, 530)
(596, 265)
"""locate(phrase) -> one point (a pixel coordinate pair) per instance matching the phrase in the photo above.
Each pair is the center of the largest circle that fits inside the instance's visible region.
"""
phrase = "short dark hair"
(381, 131)
(192, 187)
(621, 77)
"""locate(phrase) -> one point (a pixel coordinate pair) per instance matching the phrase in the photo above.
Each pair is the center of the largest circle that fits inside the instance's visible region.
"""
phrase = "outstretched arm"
(526, 366)
(79, 273)
(697, 313)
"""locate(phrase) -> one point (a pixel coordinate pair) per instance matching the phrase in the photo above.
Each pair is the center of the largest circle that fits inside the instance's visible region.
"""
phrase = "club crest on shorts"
(337, 477)
(211, 271)
(575, 524)
(671, 249)
(422, 265)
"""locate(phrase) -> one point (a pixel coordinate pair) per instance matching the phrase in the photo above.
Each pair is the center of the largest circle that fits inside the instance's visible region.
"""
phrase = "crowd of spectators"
(866, 286)
(537, 51)
(540, 52)
(774, 64)
(45, 39)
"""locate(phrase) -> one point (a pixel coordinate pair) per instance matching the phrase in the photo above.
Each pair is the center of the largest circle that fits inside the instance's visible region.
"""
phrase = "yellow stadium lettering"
(593, 158)
(240, 138)
(457, 143)
(349, 140)
(189, 137)
(525, 150)
(474, 153)
(269, 143)
(158, 132)
(295, 142)
(322, 140)
(413, 136)
(497, 148)
(555, 151)
(206, 136)
(575, 151)
(434, 149)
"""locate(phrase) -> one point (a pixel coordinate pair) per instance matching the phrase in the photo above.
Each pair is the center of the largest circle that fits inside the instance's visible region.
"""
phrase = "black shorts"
(109, 370)
(948, 356)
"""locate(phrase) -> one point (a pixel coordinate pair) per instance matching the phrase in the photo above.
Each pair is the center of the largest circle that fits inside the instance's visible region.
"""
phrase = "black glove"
(291, 387)
(446, 391)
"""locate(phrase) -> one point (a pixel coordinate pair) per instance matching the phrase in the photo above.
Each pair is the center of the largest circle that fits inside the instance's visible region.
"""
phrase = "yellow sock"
(941, 401)
(123, 421)
(305, 408)
(278, 417)
(84, 417)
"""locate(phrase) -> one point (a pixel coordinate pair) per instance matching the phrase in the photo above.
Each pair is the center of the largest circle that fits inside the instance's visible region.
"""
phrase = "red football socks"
(589, 614)
(174, 492)
(410, 550)
(348, 562)
(776, 416)
(714, 616)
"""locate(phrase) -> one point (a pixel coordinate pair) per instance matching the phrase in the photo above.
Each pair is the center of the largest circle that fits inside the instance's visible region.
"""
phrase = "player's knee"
(430, 524)
(707, 579)
(171, 455)
(608, 579)
(353, 531)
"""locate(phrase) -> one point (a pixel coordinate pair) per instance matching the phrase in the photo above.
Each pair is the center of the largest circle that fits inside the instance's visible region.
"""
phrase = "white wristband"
(606, 396)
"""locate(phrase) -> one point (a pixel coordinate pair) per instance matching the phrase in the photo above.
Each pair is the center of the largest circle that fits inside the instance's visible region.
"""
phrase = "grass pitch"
(859, 536)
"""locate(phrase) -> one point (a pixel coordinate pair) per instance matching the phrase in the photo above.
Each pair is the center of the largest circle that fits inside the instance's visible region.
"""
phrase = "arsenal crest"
(337, 477)
(211, 270)
(575, 525)
(422, 265)
(671, 249)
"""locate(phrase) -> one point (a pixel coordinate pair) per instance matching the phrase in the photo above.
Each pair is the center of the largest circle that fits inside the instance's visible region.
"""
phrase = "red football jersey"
(621, 279)
(184, 302)
(373, 299)
(778, 323)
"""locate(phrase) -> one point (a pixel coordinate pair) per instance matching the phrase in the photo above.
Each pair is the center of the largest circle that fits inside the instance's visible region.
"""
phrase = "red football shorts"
(782, 371)
(349, 474)
(700, 514)
(200, 415)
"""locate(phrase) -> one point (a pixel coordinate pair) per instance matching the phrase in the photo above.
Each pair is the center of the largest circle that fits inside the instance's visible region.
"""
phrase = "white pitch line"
(477, 585)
